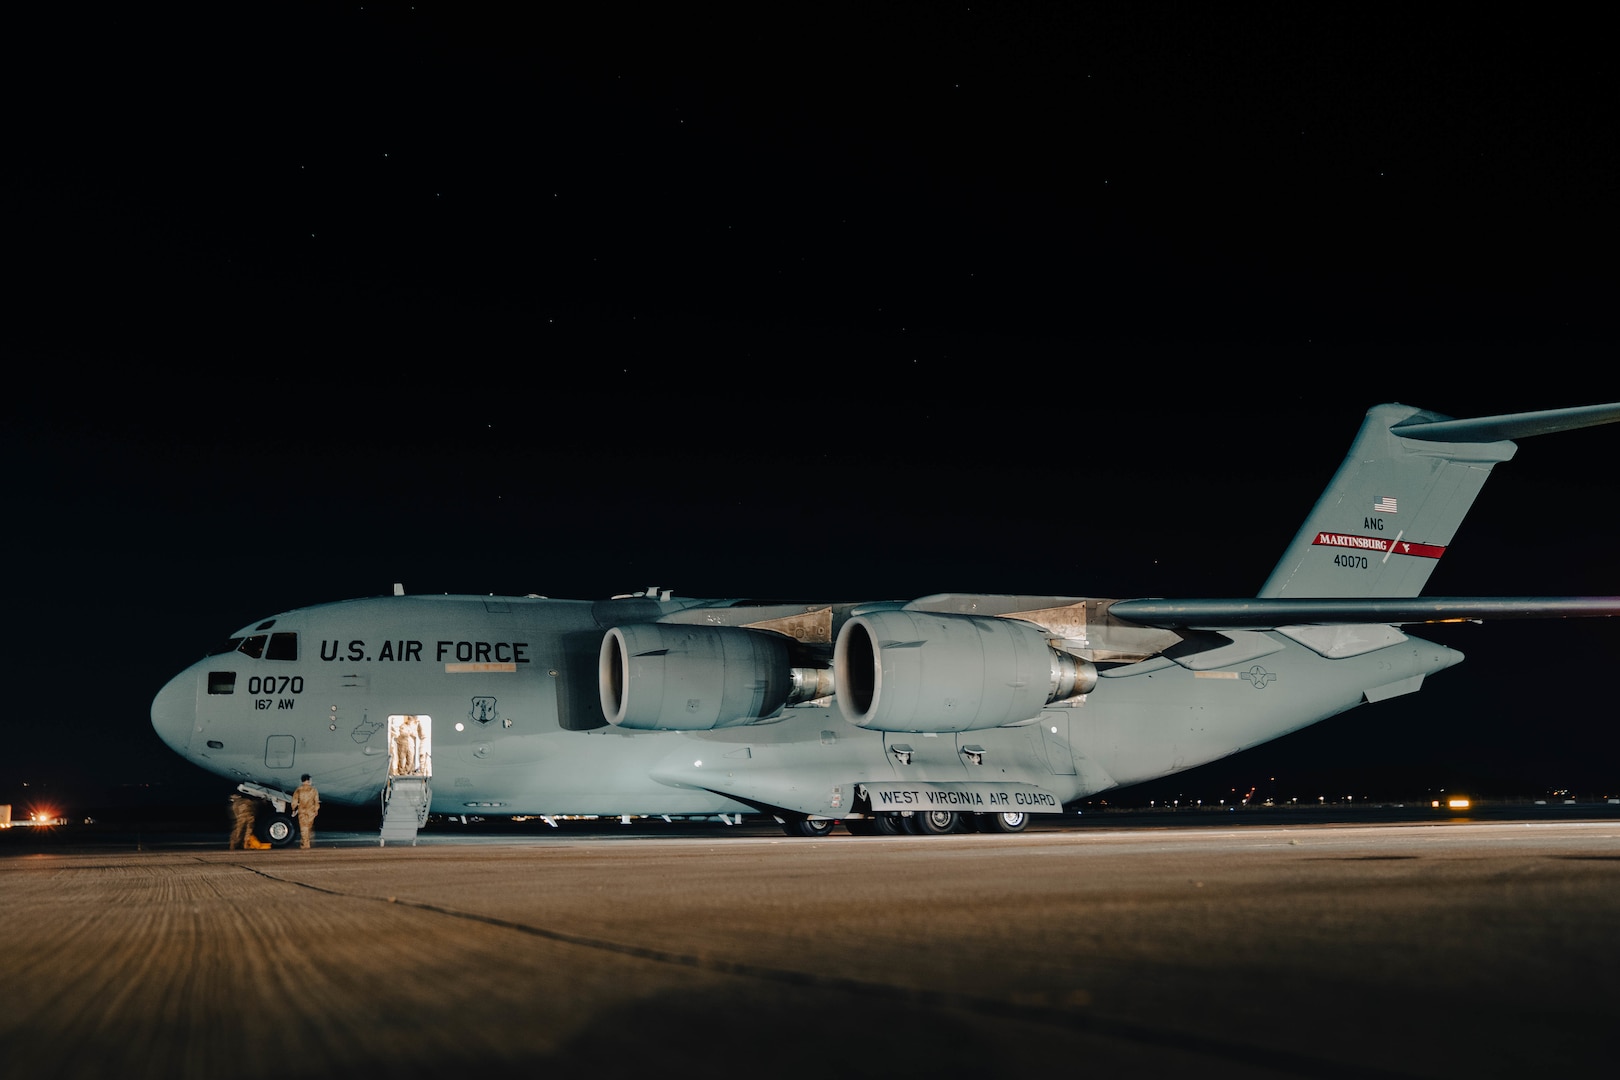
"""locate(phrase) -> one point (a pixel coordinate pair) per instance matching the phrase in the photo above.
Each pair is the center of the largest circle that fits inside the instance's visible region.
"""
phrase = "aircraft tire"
(1006, 823)
(935, 822)
(891, 825)
(805, 826)
(277, 830)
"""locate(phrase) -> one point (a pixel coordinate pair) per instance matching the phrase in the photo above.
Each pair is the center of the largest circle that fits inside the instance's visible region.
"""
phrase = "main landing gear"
(920, 823)
(807, 826)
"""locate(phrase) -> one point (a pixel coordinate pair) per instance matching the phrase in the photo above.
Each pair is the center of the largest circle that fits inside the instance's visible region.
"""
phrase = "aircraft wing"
(1253, 613)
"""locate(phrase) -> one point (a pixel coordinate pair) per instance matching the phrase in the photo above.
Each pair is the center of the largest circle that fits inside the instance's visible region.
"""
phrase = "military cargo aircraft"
(930, 715)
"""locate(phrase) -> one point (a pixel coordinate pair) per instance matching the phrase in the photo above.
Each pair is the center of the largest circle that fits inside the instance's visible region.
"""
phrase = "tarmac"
(1409, 948)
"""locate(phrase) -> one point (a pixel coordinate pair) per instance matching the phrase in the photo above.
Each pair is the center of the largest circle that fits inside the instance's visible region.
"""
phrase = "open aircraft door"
(410, 746)
(410, 766)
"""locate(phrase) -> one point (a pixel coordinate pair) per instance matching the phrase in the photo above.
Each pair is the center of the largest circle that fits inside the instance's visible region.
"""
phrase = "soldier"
(243, 810)
(306, 803)
(405, 748)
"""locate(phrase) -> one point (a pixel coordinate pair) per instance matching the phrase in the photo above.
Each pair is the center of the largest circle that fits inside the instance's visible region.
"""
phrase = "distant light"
(1457, 803)
(697, 764)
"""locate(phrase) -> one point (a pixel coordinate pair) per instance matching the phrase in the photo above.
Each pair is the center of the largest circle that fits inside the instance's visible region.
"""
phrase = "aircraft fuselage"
(499, 701)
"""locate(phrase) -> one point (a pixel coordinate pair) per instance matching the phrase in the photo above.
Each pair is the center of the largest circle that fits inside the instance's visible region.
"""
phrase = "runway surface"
(1448, 948)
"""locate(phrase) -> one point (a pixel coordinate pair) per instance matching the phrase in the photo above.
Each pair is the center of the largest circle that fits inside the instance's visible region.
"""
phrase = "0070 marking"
(272, 684)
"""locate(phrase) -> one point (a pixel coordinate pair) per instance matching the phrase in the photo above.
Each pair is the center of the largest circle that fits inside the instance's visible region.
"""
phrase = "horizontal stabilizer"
(1263, 613)
(1510, 426)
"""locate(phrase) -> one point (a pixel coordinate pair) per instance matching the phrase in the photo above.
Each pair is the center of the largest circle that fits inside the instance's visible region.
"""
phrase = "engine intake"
(925, 671)
(669, 677)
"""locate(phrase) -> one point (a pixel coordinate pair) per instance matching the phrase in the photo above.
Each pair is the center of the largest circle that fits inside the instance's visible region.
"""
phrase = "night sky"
(829, 302)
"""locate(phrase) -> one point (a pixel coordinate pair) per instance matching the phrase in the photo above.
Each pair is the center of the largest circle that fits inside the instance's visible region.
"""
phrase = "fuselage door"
(1055, 734)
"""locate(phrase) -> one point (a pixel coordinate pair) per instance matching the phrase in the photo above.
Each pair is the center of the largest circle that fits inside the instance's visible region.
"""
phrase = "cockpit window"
(222, 682)
(229, 646)
(280, 646)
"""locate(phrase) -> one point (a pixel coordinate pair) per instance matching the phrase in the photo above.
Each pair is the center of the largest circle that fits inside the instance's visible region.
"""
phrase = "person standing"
(306, 803)
(243, 811)
(405, 743)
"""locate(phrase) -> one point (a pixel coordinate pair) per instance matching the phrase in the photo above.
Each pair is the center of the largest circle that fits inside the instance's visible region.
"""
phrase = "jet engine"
(901, 670)
(673, 677)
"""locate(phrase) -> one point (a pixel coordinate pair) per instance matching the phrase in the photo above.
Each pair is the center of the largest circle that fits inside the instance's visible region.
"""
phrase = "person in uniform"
(306, 803)
(405, 748)
(243, 811)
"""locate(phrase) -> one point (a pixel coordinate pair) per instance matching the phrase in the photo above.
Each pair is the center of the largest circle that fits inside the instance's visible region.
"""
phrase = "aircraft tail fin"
(1396, 502)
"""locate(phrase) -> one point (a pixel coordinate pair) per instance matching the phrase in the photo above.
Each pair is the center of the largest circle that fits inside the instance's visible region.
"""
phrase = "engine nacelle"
(673, 677)
(924, 671)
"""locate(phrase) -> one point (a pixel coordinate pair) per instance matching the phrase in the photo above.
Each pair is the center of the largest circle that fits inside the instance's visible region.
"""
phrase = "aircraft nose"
(174, 711)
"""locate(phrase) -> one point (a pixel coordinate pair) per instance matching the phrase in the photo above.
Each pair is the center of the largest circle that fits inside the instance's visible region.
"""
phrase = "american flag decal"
(1386, 505)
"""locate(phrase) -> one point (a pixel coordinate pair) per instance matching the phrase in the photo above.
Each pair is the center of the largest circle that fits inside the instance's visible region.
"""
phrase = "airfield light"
(1457, 803)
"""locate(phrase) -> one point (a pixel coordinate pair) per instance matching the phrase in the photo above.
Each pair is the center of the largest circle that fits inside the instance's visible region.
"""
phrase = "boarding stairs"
(405, 809)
